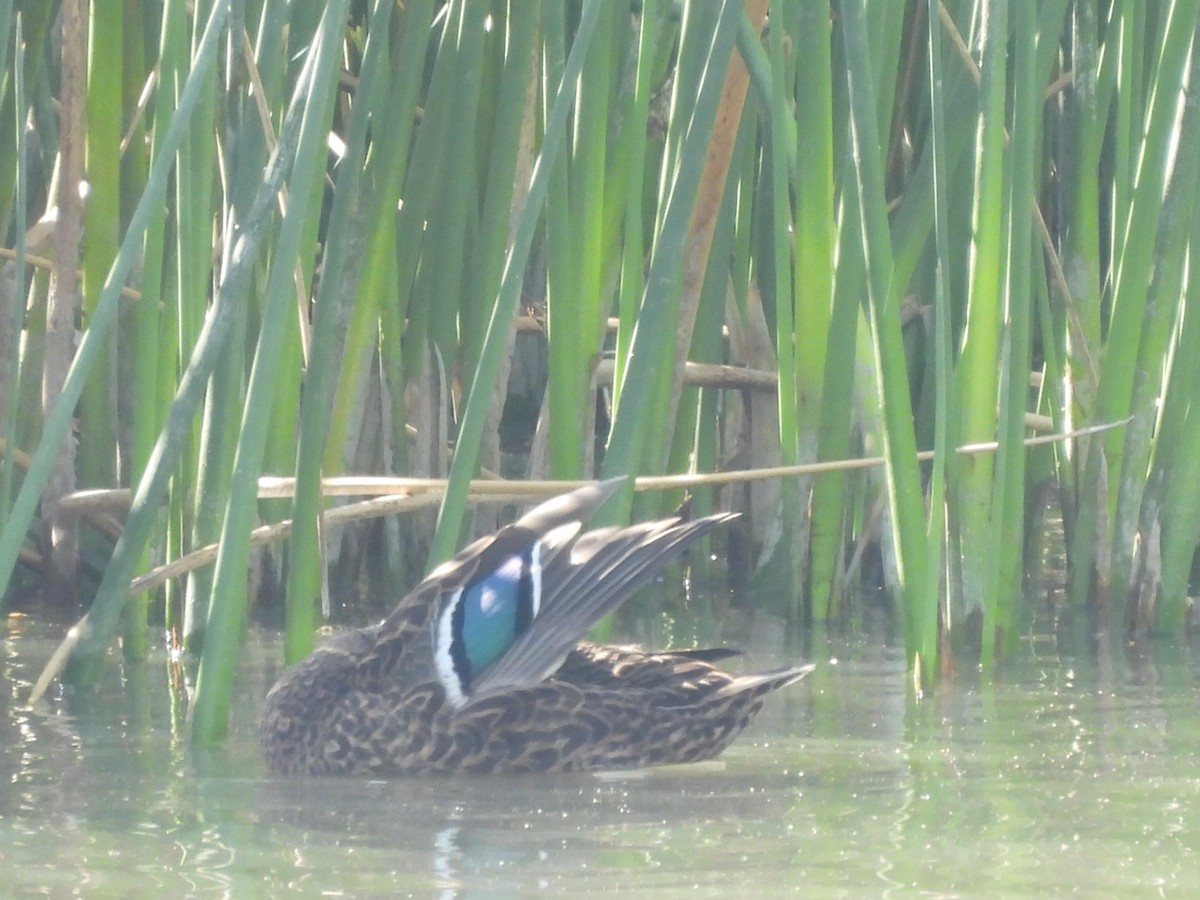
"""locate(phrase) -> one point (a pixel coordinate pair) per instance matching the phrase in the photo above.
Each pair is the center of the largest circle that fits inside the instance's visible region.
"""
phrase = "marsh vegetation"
(557, 240)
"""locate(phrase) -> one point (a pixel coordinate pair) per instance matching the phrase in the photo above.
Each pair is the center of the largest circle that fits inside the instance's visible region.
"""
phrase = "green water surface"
(1069, 774)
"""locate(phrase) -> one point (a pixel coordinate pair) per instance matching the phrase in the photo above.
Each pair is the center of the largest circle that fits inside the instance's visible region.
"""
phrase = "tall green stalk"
(428, 165)
(568, 371)
(903, 478)
(578, 282)
(815, 246)
(784, 286)
(378, 304)
(1008, 492)
(634, 429)
(466, 454)
(1138, 208)
(11, 352)
(503, 161)
(226, 618)
(306, 557)
(1177, 465)
(1082, 142)
(632, 173)
(56, 425)
(926, 635)
(139, 372)
(11, 35)
(1137, 346)
(195, 515)
(102, 221)
(441, 274)
(977, 373)
(1149, 435)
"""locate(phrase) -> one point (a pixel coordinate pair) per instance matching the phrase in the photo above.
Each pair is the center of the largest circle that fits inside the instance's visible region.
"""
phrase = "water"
(1073, 773)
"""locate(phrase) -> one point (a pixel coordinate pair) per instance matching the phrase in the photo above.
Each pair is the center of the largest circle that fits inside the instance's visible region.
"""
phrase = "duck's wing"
(580, 583)
(470, 608)
(507, 609)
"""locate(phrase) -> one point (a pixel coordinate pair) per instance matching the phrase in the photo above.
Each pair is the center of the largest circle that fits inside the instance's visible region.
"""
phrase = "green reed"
(10, 329)
(929, 224)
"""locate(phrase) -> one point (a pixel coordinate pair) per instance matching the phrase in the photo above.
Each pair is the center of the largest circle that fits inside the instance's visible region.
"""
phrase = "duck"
(484, 667)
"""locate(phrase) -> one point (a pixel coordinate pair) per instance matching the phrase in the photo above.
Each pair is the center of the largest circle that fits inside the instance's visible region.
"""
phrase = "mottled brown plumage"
(402, 696)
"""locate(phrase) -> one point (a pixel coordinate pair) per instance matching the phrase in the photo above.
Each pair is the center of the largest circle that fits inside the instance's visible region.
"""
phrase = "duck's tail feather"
(707, 654)
(770, 681)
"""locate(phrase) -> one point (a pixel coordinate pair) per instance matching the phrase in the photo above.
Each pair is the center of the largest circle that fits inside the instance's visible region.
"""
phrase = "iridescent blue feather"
(491, 612)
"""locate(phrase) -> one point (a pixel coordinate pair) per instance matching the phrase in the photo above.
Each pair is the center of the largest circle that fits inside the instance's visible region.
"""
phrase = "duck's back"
(605, 708)
(617, 708)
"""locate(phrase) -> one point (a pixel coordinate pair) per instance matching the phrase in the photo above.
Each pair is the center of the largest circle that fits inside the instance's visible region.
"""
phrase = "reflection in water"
(1072, 772)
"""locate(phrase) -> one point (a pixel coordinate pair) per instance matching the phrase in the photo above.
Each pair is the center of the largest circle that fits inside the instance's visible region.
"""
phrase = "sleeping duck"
(483, 667)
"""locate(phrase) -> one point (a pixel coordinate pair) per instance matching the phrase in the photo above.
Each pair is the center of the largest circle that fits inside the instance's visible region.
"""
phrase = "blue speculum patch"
(496, 609)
